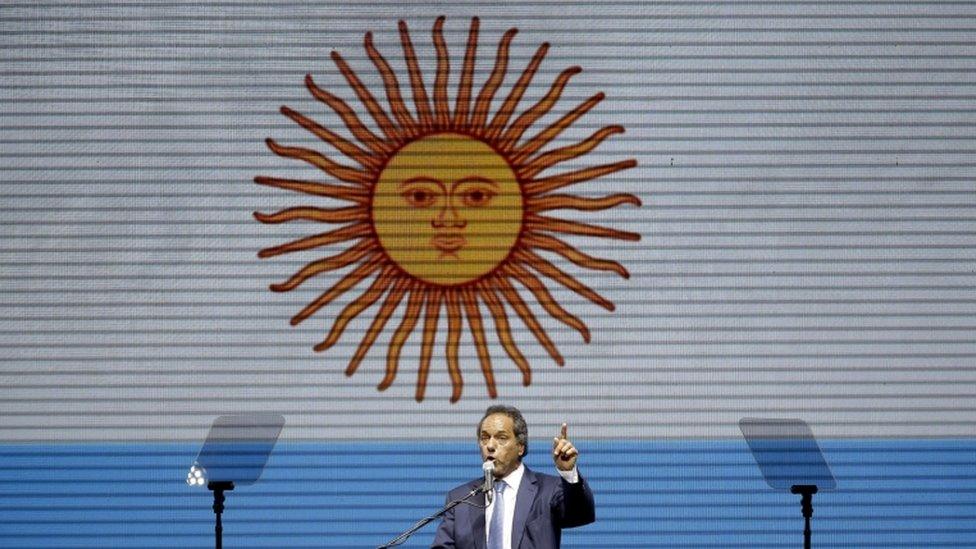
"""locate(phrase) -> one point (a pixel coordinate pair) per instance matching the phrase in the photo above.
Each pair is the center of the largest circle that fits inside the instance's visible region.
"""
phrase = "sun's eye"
(419, 197)
(477, 197)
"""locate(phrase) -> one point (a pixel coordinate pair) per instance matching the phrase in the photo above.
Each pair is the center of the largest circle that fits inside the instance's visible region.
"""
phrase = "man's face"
(499, 445)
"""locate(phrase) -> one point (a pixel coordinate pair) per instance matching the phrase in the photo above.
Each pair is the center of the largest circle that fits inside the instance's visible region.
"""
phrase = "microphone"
(489, 486)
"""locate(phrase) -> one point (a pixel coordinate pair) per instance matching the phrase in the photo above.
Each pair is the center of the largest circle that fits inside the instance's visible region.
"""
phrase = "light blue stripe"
(891, 493)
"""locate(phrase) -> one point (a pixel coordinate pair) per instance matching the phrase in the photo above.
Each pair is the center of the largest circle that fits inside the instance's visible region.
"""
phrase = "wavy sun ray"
(444, 209)
(416, 79)
(410, 317)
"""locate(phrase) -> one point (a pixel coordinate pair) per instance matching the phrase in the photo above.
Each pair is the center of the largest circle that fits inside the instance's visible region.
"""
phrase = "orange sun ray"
(308, 213)
(451, 350)
(494, 80)
(427, 346)
(555, 245)
(372, 141)
(563, 201)
(358, 305)
(528, 317)
(549, 184)
(440, 81)
(352, 278)
(569, 152)
(393, 96)
(315, 188)
(416, 79)
(537, 111)
(372, 106)
(542, 223)
(410, 317)
(343, 173)
(341, 144)
(389, 305)
(349, 232)
(467, 75)
(478, 335)
(331, 263)
(553, 130)
(504, 331)
(544, 298)
(515, 95)
(551, 271)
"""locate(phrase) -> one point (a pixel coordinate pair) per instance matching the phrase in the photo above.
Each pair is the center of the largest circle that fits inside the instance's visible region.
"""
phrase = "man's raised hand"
(563, 451)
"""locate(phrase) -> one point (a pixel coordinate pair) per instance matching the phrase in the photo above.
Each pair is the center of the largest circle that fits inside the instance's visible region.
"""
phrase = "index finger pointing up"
(562, 432)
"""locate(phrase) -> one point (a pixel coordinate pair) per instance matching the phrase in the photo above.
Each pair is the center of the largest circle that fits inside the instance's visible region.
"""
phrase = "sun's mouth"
(448, 244)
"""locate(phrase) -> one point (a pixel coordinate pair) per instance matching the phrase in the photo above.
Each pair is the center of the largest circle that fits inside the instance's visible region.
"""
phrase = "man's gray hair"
(518, 422)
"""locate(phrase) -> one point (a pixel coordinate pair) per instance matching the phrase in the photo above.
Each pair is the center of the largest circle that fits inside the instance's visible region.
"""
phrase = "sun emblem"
(447, 210)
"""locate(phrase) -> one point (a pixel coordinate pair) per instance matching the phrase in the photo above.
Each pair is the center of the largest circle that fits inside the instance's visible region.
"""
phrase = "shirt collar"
(514, 479)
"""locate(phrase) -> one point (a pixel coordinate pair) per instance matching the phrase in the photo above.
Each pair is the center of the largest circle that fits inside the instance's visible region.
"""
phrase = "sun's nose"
(448, 217)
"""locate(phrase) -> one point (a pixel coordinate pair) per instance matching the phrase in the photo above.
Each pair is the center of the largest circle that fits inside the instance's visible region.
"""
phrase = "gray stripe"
(808, 222)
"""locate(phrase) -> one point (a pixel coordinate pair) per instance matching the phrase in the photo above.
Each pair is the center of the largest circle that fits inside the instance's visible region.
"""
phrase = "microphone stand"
(427, 520)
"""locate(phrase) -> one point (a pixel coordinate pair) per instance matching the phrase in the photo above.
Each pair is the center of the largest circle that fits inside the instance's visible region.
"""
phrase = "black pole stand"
(806, 492)
(427, 520)
(218, 489)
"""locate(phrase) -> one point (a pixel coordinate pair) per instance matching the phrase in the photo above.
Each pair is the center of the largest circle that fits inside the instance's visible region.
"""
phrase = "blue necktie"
(496, 531)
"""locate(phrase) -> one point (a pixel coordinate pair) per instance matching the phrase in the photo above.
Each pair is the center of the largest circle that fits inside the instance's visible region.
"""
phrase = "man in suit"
(528, 509)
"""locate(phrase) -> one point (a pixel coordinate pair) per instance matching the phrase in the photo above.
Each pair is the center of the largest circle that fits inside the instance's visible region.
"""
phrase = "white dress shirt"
(513, 481)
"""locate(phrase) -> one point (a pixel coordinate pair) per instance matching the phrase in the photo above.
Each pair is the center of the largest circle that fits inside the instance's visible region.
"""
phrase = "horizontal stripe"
(806, 231)
(649, 494)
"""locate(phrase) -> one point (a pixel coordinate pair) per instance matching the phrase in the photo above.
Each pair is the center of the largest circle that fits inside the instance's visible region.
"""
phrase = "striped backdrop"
(807, 243)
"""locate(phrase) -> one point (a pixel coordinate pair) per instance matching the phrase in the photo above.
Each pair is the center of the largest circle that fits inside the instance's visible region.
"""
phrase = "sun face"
(447, 211)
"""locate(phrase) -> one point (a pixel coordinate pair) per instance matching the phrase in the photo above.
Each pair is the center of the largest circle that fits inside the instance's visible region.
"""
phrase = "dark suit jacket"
(544, 505)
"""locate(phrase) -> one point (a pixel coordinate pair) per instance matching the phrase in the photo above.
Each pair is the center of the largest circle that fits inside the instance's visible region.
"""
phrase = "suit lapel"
(523, 504)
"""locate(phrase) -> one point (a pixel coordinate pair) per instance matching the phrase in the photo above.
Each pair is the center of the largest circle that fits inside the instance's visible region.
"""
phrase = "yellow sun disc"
(447, 209)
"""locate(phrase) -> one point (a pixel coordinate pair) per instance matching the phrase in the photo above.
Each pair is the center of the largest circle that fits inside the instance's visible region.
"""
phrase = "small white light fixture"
(197, 476)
